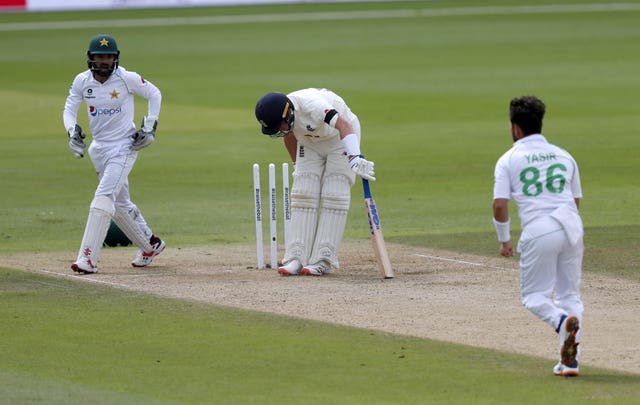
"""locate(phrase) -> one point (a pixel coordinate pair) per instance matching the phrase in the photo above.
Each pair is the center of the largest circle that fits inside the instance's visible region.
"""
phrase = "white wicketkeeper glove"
(76, 141)
(362, 167)
(145, 135)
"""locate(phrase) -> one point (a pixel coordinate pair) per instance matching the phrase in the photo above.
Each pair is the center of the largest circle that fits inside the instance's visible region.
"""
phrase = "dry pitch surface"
(440, 295)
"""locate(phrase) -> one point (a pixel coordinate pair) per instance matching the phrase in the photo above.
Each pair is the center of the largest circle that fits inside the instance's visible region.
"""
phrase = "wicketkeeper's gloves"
(76, 141)
(146, 134)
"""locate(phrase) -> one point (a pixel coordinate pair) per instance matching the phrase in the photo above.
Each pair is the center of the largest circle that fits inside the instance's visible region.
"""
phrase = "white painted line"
(85, 278)
(323, 16)
(463, 262)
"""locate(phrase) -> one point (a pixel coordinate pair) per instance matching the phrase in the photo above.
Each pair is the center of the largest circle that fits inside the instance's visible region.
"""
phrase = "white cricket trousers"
(549, 263)
(113, 163)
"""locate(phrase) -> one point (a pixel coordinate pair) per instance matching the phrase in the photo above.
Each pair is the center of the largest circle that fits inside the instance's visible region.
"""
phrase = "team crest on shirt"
(114, 94)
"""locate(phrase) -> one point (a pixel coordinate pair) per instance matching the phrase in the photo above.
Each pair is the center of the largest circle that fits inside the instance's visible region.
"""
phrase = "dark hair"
(527, 112)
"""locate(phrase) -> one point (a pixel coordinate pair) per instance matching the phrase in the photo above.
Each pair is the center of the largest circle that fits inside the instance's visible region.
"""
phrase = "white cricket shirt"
(311, 106)
(540, 177)
(110, 105)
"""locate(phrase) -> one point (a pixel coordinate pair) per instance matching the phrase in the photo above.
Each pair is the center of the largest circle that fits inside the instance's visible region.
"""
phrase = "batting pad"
(305, 199)
(126, 222)
(336, 196)
(100, 214)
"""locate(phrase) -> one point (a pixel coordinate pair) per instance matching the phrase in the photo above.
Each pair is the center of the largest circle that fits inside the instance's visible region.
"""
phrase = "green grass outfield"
(432, 94)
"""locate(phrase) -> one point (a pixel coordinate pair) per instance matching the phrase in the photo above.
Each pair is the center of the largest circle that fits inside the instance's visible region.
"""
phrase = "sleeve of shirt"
(72, 104)
(148, 90)
(502, 182)
(318, 109)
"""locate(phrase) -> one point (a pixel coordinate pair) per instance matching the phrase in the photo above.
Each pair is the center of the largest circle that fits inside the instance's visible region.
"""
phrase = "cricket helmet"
(271, 110)
(102, 44)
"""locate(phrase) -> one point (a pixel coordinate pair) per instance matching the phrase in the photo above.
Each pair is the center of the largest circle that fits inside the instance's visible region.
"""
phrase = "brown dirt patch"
(440, 295)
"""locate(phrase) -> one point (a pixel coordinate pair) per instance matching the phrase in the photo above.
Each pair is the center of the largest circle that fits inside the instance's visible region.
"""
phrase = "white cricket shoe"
(566, 371)
(84, 266)
(290, 269)
(318, 269)
(145, 258)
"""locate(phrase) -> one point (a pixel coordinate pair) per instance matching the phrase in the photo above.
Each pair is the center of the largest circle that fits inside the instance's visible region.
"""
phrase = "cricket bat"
(379, 247)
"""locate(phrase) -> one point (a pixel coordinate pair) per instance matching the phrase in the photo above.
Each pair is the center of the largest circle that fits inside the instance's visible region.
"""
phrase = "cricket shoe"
(566, 371)
(568, 331)
(145, 258)
(317, 269)
(84, 267)
(290, 269)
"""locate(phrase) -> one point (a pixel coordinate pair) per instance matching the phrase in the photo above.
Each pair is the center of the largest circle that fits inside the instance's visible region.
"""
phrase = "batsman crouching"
(322, 136)
(108, 91)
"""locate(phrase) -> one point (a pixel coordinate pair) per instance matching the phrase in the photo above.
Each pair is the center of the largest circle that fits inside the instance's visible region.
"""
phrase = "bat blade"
(379, 247)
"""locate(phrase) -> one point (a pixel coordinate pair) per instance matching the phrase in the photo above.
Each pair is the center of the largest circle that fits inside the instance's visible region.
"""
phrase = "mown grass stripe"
(323, 16)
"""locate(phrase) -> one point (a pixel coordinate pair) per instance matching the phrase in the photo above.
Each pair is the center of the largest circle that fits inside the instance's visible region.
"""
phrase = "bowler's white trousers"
(548, 262)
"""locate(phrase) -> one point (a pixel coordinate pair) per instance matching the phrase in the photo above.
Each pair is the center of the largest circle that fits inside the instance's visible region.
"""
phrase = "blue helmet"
(271, 110)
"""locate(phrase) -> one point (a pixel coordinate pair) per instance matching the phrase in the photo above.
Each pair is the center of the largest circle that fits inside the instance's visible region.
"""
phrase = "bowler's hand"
(506, 249)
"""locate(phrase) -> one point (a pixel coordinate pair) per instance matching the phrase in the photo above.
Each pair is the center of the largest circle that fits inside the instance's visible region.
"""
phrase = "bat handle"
(367, 189)
(365, 185)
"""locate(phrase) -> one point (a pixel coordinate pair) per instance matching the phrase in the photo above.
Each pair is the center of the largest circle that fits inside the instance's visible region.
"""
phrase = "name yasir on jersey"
(541, 157)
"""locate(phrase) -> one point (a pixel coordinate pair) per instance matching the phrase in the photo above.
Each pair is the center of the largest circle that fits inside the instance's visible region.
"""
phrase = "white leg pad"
(305, 197)
(100, 214)
(126, 221)
(336, 197)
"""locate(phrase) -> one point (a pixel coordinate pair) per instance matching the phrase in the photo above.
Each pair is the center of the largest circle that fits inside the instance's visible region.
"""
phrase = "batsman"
(322, 136)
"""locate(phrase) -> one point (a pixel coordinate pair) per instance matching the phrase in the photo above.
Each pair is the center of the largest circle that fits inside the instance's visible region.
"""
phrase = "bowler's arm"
(501, 214)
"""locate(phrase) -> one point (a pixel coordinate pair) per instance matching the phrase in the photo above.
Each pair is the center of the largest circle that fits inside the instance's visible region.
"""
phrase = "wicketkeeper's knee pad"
(103, 204)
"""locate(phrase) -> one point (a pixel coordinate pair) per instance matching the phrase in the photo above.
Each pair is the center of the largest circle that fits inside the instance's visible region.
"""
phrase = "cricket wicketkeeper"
(108, 91)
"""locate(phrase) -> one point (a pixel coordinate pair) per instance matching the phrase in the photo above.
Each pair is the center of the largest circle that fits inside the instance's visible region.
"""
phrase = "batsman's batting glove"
(362, 167)
(76, 141)
(146, 134)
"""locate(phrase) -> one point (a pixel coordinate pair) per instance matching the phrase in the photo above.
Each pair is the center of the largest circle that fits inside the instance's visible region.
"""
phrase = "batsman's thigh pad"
(305, 192)
(336, 196)
(100, 213)
(305, 196)
(126, 221)
(336, 192)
